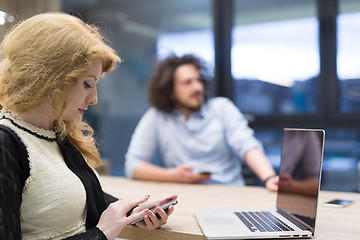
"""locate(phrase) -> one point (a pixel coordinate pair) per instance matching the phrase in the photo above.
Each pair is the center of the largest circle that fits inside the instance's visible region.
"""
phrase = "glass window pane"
(348, 67)
(198, 42)
(275, 56)
(138, 30)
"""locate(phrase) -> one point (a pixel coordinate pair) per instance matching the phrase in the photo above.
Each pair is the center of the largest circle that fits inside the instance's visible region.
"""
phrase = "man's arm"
(143, 143)
(182, 173)
(241, 139)
(258, 162)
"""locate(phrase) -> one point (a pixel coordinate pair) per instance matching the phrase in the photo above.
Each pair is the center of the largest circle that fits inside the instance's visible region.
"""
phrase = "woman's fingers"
(163, 216)
(152, 221)
(151, 203)
(136, 216)
(170, 210)
(171, 197)
(129, 204)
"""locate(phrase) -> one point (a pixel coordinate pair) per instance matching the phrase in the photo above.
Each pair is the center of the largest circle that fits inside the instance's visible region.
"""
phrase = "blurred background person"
(199, 140)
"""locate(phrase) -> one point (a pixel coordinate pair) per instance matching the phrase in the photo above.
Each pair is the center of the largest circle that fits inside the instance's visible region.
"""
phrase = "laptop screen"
(300, 172)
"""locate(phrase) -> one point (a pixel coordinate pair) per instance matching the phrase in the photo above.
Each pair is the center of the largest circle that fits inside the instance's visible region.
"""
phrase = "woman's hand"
(151, 221)
(114, 218)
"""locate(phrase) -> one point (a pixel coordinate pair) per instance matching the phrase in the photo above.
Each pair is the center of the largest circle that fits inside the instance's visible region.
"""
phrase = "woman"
(51, 64)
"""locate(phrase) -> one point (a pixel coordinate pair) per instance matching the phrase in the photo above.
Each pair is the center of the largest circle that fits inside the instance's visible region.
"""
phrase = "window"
(275, 57)
(277, 77)
(197, 42)
(348, 63)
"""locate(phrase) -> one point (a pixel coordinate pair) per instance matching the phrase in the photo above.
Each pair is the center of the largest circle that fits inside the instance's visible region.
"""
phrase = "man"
(199, 140)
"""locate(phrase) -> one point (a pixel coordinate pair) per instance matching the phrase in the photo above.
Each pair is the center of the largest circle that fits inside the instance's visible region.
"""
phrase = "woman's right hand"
(114, 218)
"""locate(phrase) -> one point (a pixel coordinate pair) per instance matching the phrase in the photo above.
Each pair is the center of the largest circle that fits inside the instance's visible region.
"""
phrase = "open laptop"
(295, 212)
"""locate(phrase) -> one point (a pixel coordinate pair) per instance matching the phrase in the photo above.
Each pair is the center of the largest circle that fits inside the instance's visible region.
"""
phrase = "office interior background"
(284, 63)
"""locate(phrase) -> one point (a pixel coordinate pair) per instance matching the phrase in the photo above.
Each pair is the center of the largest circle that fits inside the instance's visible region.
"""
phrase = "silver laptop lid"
(300, 173)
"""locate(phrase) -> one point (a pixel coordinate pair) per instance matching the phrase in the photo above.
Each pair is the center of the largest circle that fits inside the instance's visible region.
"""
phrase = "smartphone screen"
(338, 203)
(164, 206)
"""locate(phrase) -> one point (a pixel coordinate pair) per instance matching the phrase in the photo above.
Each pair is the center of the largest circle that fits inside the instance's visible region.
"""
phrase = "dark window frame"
(328, 115)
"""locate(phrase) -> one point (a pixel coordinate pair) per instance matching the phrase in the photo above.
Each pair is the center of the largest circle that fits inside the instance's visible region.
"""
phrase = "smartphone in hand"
(164, 206)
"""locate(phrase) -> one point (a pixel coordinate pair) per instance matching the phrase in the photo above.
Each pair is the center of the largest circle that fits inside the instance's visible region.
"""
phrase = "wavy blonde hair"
(41, 58)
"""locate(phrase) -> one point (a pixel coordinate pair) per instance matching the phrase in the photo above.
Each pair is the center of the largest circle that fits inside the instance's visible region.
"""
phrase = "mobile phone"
(164, 206)
(338, 203)
(201, 172)
(205, 173)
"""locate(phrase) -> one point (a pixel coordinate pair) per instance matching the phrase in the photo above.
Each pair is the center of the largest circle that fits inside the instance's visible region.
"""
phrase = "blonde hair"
(41, 58)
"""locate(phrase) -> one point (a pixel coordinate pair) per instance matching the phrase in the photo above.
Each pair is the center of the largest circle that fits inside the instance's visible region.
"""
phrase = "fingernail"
(147, 196)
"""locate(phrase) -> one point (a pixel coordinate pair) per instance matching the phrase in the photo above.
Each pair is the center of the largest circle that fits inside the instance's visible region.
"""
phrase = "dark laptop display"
(299, 175)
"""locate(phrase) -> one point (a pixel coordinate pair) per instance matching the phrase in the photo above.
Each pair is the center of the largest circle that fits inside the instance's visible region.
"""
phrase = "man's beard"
(188, 107)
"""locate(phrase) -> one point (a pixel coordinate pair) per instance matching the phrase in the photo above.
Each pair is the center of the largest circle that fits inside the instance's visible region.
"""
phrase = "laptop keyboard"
(263, 222)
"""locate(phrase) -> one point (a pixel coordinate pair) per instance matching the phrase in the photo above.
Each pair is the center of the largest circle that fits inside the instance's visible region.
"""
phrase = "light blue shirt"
(213, 140)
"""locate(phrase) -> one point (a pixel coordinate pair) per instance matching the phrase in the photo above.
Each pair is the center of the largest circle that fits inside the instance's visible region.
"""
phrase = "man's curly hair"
(161, 85)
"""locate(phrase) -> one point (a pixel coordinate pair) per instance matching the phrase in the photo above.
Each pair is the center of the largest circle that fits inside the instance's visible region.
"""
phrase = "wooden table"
(331, 224)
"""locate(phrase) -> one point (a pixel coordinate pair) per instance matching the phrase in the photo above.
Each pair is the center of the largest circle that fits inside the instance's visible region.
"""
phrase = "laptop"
(297, 196)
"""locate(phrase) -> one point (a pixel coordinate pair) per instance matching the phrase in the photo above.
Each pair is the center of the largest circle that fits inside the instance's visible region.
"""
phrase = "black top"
(14, 170)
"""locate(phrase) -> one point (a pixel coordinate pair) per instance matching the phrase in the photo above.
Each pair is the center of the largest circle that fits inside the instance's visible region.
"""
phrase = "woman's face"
(83, 93)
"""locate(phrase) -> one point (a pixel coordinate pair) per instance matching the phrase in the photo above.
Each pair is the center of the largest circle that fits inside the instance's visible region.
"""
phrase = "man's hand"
(272, 184)
(184, 174)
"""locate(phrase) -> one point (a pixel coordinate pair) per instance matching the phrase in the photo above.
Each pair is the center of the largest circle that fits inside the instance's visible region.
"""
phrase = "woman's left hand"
(151, 221)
